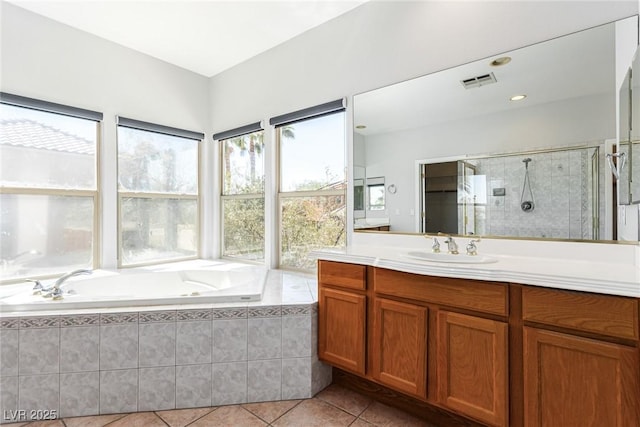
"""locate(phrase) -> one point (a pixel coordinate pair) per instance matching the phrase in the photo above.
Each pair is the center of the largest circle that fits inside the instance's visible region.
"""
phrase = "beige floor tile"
(48, 423)
(139, 419)
(315, 413)
(94, 421)
(348, 400)
(270, 411)
(361, 423)
(382, 415)
(229, 416)
(182, 417)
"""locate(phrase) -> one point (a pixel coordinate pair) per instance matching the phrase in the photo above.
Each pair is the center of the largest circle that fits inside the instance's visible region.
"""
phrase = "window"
(48, 187)
(312, 185)
(157, 193)
(243, 207)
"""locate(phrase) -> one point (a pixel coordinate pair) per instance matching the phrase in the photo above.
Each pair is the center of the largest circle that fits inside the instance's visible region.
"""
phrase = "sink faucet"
(451, 245)
(472, 249)
(436, 246)
(55, 291)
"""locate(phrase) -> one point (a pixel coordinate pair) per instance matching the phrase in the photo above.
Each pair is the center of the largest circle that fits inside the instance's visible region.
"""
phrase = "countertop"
(573, 274)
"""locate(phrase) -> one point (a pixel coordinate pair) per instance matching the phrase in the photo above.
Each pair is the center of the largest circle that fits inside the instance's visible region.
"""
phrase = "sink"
(450, 258)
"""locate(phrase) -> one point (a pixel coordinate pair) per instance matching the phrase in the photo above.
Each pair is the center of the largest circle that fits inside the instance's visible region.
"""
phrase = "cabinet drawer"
(352, 276)
(487, 297)
(602, 314)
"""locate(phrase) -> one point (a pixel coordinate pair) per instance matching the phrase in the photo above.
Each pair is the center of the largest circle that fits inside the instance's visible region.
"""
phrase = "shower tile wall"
(561, 186)
(142, 361)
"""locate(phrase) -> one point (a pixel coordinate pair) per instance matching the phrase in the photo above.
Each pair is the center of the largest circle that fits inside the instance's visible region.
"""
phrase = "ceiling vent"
(478, 81)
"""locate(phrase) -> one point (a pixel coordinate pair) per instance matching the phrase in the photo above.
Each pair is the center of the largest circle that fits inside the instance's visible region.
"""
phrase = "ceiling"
(204, 36)
(578, 65)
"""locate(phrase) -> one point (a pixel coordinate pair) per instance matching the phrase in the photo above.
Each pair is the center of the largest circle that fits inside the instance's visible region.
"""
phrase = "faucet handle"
(37, 287)
(472, 249)
(436, 246)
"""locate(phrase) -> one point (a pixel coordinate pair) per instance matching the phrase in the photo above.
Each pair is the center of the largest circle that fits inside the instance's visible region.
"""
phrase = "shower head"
(527, 160)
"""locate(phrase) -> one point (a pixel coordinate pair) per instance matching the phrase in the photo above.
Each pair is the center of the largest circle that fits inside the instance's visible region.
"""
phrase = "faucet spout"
(58, 283)
(452, 246)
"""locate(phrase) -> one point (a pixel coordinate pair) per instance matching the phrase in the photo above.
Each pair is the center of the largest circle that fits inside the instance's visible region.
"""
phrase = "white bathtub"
(105, 290)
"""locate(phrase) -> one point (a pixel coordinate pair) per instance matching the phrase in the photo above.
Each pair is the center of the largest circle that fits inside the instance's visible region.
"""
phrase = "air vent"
(478, 81)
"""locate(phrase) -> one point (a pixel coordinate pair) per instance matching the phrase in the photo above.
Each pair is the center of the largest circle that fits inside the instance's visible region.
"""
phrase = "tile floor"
(335, 406)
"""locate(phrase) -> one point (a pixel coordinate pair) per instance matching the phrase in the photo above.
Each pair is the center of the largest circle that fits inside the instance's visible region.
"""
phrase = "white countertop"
(613, 278)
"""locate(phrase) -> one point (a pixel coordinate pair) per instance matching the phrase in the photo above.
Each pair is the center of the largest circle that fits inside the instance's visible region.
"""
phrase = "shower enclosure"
(485, 196)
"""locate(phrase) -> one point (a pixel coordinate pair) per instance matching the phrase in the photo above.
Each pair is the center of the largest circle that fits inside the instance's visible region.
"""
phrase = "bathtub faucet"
(56, 290)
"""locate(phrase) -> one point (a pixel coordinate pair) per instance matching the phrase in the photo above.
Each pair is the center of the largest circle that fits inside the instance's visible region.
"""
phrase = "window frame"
(282, 196)
(221, 138)
(121, 195)
(94, 195)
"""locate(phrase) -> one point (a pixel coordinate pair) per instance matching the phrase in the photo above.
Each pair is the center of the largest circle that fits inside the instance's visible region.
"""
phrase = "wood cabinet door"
(472, 366)
(399, 346)
(574, 381)
(341, 329)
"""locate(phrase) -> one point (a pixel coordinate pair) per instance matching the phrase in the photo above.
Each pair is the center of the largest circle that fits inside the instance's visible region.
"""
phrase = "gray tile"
(157, 344)
(8, 352)
(9, 399)
(157, 316)
(321, 375)
(296, 378)
(296, 336)
(39, 351)
(193, 386)
(119, 346)
(264, 338)
(118, 391)
(80, 349)
(79, 394)
(264, 380)
(229, 383)
(157, 388)
(229, 340)
(39, 322)
(39, 394)
(193, 342)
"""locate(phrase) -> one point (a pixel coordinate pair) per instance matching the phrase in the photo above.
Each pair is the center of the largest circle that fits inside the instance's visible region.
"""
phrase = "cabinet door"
(472, 366)
(399, 347)
(573, 381)
(341, 329)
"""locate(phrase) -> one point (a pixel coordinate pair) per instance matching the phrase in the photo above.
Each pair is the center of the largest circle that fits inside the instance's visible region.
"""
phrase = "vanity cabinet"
(580, 358)
(496, 353)
(399, 346)
(342, 307)
(472, 366)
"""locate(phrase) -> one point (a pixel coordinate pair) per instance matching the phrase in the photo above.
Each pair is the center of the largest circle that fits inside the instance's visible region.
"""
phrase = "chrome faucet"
(472, 249)
(436, 246)
(451, 245)
(55, 291)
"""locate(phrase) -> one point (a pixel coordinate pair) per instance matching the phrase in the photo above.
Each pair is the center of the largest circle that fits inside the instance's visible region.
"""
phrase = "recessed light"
(503, 60)
(518, 97)
(361, 127)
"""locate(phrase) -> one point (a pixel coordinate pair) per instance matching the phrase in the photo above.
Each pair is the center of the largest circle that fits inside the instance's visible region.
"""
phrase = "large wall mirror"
(515, 145)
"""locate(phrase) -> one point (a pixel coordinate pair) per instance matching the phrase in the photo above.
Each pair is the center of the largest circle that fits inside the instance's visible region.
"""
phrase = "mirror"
(454, 143)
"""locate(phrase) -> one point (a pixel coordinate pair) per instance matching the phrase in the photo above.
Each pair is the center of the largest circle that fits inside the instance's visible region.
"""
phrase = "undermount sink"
(451, 258)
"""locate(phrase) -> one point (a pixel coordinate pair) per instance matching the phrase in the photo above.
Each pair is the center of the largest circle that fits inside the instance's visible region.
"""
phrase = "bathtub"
(222, 284)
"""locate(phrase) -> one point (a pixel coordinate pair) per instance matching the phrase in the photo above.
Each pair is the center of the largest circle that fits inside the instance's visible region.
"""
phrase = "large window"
(312, 187)
(243, 223)
(157, 192)
(48, 187)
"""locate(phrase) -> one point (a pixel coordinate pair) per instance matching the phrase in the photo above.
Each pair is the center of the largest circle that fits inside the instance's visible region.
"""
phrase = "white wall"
(44, 59)
(381, 43)
(374, 45)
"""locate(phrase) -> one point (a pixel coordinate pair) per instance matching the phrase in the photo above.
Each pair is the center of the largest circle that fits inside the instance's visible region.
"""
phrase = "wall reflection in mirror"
(468, 157)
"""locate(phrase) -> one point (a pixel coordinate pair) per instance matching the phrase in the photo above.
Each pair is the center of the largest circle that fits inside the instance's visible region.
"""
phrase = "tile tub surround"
(81, 364)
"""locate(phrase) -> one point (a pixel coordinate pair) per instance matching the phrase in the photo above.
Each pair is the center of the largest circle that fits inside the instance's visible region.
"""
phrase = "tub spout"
(56, 290)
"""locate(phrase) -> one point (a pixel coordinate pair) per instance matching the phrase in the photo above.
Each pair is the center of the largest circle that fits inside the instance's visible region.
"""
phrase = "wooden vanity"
(487, 353)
